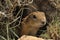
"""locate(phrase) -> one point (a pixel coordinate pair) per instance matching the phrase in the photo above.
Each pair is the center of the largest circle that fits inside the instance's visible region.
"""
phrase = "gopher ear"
(25, 19)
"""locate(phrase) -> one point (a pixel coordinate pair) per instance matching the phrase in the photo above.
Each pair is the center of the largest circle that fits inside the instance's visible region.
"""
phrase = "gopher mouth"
(41, 30)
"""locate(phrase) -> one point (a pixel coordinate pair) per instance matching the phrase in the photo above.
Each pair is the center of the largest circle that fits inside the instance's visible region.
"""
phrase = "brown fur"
(32, 23)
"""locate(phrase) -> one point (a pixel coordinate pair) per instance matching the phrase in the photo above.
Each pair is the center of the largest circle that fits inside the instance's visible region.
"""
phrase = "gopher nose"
(43, 22)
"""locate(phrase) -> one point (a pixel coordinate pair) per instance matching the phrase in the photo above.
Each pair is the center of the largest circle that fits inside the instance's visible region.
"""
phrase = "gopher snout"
(43, 22)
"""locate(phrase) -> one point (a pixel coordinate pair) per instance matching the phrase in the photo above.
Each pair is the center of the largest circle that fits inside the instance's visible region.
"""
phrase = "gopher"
(32, 23)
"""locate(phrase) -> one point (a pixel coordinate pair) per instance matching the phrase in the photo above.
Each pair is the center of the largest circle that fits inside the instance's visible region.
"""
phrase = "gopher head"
(36, 19)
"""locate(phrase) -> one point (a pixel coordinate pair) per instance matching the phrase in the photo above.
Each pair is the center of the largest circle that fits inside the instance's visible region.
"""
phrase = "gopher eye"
(34, 17)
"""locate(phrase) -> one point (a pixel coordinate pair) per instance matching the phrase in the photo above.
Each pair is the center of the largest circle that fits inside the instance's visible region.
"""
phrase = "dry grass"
(9, 24)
